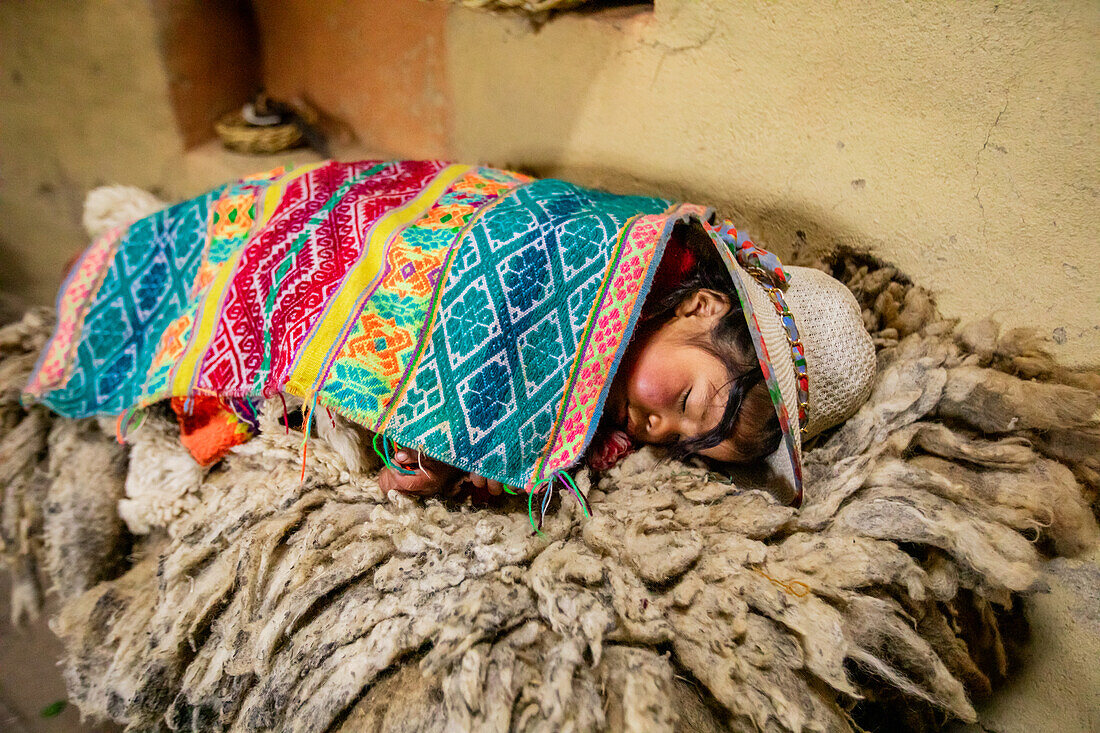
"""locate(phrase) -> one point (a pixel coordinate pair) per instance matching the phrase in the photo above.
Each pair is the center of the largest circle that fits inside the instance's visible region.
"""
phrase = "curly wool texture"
(684, 603)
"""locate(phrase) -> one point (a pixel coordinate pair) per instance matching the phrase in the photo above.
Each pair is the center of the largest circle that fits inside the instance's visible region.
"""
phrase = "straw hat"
(808, 332)
(839, 353)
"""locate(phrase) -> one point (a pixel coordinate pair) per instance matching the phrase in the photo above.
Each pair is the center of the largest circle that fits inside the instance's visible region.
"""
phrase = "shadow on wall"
(547, 128)
(541, 108)
(14, 272)
(795, 236)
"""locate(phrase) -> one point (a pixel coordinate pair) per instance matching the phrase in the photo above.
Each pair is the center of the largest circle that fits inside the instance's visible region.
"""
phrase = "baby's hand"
(427, 477)
(494, 487)
(422, 476)
(608, 449)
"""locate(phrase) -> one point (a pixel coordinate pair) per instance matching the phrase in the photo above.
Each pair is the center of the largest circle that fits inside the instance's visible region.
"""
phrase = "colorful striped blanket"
(474, 314)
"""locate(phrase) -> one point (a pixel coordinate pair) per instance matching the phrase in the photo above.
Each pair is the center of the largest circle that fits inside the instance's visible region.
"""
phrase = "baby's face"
(668, 388)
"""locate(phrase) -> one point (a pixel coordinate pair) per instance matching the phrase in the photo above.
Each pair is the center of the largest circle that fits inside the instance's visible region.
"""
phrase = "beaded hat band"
(798, 350)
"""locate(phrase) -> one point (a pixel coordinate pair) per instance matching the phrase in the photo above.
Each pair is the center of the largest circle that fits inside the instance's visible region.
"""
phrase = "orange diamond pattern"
(232, 216)
(379, 345)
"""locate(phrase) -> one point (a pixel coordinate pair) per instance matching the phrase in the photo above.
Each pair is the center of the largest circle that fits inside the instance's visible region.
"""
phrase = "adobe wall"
(958, 141)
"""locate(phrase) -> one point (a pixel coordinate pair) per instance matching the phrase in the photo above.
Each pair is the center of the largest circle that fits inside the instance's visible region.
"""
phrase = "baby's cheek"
(651, 388)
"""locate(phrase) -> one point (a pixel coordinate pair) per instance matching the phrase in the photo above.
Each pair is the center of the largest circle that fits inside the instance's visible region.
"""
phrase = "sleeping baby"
(691, 378)
(487, 327)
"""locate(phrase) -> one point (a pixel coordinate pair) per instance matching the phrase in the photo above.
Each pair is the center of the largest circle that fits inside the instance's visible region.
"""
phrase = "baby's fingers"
(413, 473)
(488, 485)
(418, 482)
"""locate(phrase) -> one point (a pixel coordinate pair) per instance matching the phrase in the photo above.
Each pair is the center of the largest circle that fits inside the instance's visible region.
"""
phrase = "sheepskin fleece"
(244, 599)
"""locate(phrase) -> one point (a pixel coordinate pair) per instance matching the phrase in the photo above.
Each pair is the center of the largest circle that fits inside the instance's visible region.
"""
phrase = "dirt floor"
(31, 687)
(1057, 687)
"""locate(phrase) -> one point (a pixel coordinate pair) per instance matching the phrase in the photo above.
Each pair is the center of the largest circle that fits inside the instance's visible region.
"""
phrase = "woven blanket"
(474, 314)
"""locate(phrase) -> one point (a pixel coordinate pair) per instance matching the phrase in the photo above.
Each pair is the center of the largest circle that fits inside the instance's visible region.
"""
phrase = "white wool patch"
(163, 479)
(107, 207)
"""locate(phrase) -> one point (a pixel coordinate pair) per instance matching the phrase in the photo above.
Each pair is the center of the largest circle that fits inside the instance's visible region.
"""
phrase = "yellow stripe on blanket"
(324, 343)
(210, 307)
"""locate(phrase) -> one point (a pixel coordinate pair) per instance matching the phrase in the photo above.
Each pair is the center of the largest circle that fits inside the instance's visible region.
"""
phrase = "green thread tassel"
(531, 511)
(566, 479)
(124, 425)
(384, 454)
(564, 476)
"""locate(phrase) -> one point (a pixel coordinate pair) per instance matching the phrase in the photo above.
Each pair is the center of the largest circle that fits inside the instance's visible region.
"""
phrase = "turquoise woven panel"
(513, 310)
(147, 287)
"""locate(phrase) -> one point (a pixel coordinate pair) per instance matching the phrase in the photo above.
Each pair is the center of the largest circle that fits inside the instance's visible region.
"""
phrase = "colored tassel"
(565, 478)
(124, 425)
(286, 415)
(307, 421)
(545, 502)
(531, 512)
(377, 451)
(384, 454)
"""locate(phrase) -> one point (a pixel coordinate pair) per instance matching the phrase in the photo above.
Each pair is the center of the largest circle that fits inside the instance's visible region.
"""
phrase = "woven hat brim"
(773, 352)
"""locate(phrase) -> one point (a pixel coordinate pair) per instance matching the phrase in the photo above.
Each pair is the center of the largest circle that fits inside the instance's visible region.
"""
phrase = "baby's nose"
(659, 427)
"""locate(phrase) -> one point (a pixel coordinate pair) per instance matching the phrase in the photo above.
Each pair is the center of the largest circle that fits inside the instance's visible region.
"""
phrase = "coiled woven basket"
(238, 134)
(527, 6)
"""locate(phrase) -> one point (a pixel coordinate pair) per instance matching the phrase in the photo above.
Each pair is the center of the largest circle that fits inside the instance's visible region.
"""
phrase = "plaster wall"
(375, 66)
(96, 92)
(957, 140)
(84, 102)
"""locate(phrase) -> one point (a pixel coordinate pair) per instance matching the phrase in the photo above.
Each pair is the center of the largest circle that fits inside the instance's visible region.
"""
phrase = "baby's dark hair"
(749, 416)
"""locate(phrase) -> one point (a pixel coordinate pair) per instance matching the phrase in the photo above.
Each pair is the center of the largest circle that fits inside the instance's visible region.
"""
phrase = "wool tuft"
(242, 598)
